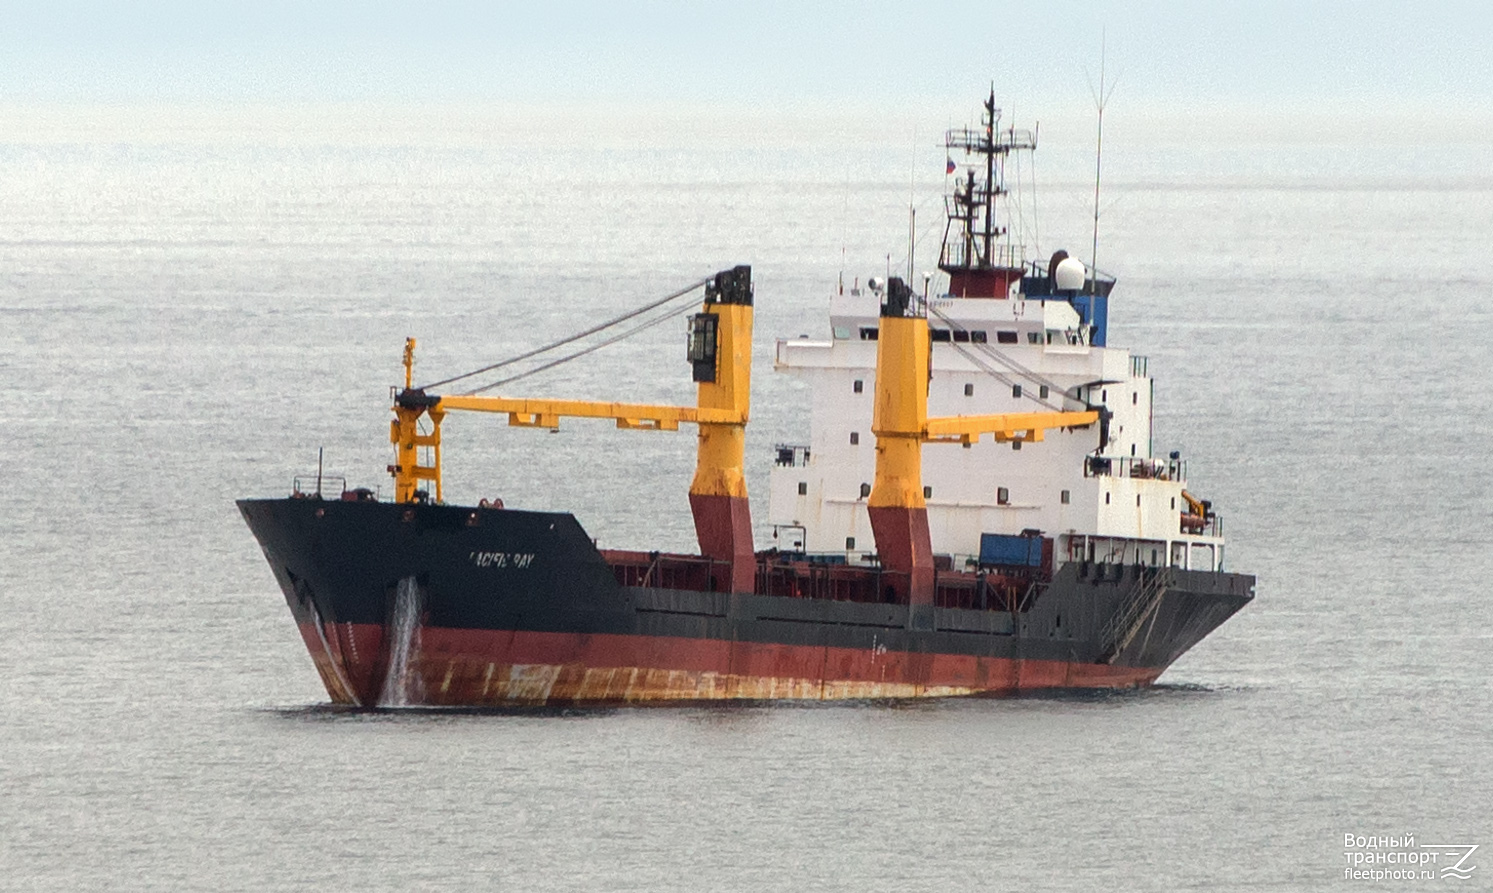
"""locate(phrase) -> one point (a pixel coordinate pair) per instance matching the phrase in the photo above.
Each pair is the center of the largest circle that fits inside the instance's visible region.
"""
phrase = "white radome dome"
(1070, 274)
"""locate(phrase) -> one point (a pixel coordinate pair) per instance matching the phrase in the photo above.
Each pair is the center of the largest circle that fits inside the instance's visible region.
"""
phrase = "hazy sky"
(768, 54)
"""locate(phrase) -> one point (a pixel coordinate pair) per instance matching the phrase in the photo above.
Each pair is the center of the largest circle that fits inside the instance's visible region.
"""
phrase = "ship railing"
(319, 485)
(956, 254)
(827, 576)
(658, 570)
(1132, 467)
(835, 577)
(791, 455)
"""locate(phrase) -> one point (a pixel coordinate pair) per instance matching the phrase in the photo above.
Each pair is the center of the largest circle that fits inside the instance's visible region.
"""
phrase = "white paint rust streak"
(556, 683)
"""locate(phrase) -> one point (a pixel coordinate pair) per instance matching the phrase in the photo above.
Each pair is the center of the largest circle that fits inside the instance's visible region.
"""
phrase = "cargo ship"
(978, 511)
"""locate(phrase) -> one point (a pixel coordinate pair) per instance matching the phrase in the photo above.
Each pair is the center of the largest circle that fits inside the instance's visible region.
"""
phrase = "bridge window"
(940, 334)
(961, 335)
(1033, 337)
(977, 336)
(868, 333)
(1005, 337)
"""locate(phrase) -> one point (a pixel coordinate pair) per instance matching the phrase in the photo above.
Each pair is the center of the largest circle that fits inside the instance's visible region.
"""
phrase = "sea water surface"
(192, 303)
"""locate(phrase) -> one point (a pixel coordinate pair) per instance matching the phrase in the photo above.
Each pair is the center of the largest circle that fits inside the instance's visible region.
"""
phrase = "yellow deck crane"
(899, 515)
(720, 352)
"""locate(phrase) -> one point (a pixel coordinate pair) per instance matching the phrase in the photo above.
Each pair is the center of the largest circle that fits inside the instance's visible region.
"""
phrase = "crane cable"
(1005, 379)
(572, 338)
(672, 314)
(1001, 358)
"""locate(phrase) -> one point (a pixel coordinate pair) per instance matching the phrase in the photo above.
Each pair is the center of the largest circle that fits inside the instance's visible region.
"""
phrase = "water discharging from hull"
(401, 688)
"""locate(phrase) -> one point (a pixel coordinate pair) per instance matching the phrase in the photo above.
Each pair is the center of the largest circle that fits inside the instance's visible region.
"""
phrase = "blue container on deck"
(1010, 550)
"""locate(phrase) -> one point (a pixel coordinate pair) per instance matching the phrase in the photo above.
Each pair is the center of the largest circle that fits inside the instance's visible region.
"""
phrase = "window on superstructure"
(961, 335)
(1174, 502)
(1064, 497)
(977, 336)
(1134, 398)
(1016, 391)
(940, 334)
(1016, 444)
(1104, 396)
(855, 438)
(859, 386)
(865, 490)
(969, 390)
(1132, 449)
(803, 488)
(849, 543)
(1106, 499)
(1033, 337)
(1042, 392)
(1005, 337)
(1002, 496)
(927, 492)
(868, 333)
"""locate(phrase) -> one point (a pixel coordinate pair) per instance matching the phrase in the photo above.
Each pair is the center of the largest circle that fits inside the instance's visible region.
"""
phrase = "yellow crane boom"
(720, 354)
(898, 512)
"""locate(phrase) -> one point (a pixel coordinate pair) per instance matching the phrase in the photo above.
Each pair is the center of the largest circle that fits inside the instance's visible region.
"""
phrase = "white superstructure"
(1112, 502)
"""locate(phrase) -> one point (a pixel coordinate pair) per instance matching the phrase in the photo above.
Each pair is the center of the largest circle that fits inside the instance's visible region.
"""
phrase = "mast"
(991, 186)
(970, 252)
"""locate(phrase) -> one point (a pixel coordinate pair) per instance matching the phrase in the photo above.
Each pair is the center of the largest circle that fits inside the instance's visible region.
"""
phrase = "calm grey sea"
(191, 306)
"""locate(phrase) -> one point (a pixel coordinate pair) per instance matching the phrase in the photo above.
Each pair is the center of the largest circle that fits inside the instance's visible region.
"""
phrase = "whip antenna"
(1101, 99)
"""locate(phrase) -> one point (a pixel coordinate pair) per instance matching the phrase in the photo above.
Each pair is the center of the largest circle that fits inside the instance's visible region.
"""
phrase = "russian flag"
(951, 167)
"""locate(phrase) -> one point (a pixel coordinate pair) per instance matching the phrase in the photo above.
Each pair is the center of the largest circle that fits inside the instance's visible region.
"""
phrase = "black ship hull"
(454, 606)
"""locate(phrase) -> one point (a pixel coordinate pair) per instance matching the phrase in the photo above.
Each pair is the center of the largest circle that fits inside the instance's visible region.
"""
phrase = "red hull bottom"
(497, 668)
